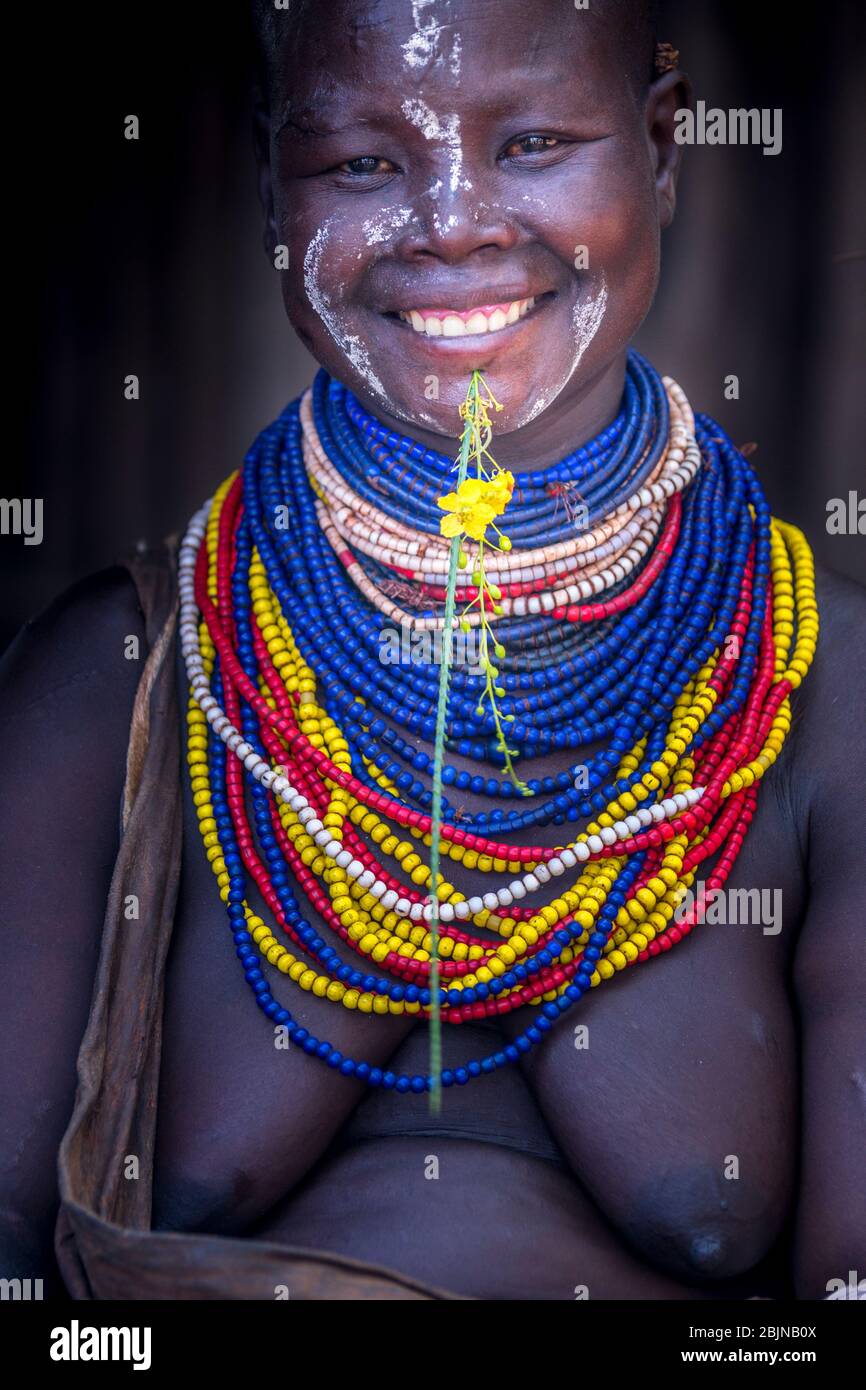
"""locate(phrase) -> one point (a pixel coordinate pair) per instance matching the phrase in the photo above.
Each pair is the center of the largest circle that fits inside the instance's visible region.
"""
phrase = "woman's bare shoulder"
(81, 630)
(67, 687)
(68, 679)
(841, 606)
(818, 767)
(832, 693)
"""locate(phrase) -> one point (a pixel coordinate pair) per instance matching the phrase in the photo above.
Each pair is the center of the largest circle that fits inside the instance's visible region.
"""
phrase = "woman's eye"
(532, 144)
(366, 164)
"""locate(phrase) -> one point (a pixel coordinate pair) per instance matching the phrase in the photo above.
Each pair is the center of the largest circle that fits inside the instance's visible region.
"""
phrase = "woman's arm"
(66, 696)
(830, 964)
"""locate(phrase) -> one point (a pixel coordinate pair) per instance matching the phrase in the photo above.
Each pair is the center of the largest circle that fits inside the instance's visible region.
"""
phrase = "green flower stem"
(438, 759)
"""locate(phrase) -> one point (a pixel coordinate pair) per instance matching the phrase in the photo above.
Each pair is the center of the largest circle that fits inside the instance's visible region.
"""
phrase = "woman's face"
(462, 185)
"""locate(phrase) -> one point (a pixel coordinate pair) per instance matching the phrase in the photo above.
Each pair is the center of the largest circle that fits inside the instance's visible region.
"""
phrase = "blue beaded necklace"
(281, 627)
(619, 686)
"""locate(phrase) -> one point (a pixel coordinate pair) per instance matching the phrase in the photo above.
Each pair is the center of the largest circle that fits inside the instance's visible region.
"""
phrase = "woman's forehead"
(360, 49)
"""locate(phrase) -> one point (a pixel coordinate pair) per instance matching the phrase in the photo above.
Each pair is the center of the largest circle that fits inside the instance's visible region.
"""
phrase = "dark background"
(147, 257)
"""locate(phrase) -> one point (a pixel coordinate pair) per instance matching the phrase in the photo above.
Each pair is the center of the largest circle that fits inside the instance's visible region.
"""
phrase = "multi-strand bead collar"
(649, 603)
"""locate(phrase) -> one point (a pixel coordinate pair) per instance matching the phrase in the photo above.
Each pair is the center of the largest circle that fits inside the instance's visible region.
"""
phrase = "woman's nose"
(453, 223)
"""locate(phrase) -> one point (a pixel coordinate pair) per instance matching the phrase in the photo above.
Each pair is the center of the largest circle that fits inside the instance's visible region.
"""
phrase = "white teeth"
(452, 326)
(477, 323)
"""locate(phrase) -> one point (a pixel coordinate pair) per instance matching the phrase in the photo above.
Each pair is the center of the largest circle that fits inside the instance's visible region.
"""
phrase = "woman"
(421, 164)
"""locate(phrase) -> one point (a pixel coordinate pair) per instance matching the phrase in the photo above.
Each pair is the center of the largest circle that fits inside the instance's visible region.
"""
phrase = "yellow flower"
(474, 505)
(503, 482)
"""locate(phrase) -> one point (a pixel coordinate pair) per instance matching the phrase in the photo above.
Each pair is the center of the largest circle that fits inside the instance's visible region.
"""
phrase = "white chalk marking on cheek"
(379, 229)
(528, 198)
(586, 318)
(444, 130)
(534, 410)
(587, 321)
(349, 343)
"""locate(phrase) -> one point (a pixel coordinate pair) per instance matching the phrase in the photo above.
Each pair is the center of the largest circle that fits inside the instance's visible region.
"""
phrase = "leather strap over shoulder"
(154, 576)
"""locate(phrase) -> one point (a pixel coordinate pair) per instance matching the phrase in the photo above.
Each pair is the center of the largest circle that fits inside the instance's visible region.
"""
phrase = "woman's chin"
(422, 380)
(521, 402)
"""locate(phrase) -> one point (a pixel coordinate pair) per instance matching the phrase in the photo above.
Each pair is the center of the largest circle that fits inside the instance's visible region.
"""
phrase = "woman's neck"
(573, 418)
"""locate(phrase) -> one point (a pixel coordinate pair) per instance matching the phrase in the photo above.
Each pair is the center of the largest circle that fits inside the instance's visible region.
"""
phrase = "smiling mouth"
(467, 323)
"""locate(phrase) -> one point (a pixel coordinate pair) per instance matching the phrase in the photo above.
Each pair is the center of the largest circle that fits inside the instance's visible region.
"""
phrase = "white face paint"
(378, 229)
(586, 319)
(444, 130)
(348, 343)
(456, 53)
(540, 203)
(443, 225)
(424, 45)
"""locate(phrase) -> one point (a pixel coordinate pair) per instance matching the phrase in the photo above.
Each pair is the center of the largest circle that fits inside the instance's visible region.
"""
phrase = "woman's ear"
(262, 141)
(668, 95)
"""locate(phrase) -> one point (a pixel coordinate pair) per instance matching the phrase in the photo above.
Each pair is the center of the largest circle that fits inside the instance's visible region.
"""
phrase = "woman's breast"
(258, 1140)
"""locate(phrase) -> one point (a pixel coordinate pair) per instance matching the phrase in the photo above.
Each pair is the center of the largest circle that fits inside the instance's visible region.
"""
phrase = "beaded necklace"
(663, 612)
